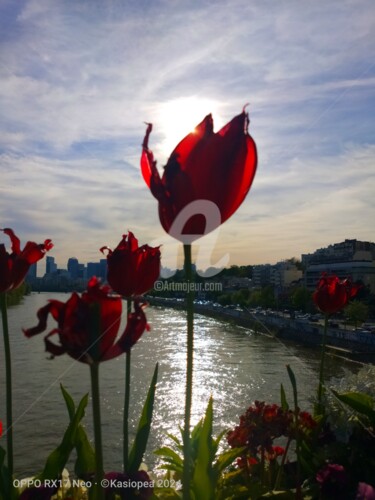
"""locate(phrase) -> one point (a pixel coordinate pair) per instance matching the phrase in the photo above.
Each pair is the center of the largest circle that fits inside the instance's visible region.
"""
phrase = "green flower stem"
(319, 407)
(99, 473)
(189, 372)
(8, 377)
(127, 403)
(281, 468)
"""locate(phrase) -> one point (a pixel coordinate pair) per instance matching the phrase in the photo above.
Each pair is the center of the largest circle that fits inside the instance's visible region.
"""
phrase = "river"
(232, 363)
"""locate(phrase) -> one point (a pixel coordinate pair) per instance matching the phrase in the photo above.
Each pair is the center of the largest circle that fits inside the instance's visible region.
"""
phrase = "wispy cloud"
(79, 78)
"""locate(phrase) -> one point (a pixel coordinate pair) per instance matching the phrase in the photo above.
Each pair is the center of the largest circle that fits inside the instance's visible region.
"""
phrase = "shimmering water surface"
(232, 363)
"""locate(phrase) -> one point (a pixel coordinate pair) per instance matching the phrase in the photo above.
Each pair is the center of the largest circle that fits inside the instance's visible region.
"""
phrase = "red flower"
(216, 168)
(1, 428)
(14, 266)
(77, 326)
(332, 294)
(132, 270)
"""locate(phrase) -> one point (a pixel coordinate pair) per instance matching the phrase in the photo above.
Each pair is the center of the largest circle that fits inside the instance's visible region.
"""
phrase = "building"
(51, 266)
(262, 275)
(73, 267)
(280, 275)
(349, 259)
(284, 274)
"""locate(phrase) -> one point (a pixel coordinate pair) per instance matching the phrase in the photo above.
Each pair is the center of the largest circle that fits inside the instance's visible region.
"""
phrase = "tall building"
(73, 267)
(31, 273)
(93, 269)
(51, 266)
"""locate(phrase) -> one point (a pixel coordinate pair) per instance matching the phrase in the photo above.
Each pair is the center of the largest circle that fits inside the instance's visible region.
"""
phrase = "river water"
(232, 363)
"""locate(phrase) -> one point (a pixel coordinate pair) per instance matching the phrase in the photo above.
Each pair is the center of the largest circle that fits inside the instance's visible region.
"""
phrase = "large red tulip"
(87, 325)
(212, 170)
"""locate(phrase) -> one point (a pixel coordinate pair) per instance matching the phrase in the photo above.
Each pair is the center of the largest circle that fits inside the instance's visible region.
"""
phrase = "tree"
(302, 299)
(356, 312)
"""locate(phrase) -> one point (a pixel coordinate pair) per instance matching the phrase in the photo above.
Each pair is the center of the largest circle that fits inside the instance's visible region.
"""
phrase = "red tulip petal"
(135, 327)
(16, 248)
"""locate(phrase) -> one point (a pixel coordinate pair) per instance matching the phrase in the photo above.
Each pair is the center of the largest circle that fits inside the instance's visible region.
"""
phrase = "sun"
(177, 118)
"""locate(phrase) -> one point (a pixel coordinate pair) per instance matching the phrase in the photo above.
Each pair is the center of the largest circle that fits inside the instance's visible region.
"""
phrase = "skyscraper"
(51, 266)
(73, 267)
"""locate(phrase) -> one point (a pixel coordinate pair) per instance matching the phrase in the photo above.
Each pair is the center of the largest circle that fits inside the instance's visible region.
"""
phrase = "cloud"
(78, 79)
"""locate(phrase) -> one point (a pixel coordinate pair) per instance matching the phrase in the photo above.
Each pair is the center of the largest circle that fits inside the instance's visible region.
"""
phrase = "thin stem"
(189, 371)
(281, 468)
(319, 407)
(127, 403)
(8, 377)
(99, 473)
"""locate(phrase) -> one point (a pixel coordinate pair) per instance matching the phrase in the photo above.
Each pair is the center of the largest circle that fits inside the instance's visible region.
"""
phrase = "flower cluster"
(259, 427)
(262, 424)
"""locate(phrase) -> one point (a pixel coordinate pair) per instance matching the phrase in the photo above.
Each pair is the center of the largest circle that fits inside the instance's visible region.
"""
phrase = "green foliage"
(207, 465)
(57, 459)
(363, 404)
(14, 297)
(143, 431)
(301, 299)
(356, 312)
(85, 463)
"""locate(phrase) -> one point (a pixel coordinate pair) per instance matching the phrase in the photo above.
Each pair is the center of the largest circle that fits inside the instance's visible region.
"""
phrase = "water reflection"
(231, 363)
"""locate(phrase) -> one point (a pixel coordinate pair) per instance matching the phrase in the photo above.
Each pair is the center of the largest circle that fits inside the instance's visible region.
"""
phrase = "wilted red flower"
(132, 270)
(332, 294)
(14, 266)
(79, 334)
(218, 168)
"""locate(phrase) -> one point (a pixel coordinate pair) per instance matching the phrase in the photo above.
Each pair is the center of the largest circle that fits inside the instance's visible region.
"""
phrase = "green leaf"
(176, 441)
(360, 402)
(294, 384)
(143, 431)
(203, 484)
(284, 402)
(69, 402)
(169, 455)
(171, 467)
(85, 462)
(226, 458)
(57, 459)
(216, 442)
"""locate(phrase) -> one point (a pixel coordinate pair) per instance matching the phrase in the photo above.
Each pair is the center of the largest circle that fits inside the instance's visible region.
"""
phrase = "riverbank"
(340, 342)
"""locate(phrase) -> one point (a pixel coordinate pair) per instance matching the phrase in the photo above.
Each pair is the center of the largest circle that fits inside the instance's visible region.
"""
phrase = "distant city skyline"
(79, 79)
(303, 256)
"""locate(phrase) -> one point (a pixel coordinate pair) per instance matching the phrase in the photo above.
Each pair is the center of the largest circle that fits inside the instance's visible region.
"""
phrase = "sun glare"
(175, 119)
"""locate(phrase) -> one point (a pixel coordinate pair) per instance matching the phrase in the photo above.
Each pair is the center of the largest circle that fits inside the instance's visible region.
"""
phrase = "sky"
(79, 79)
